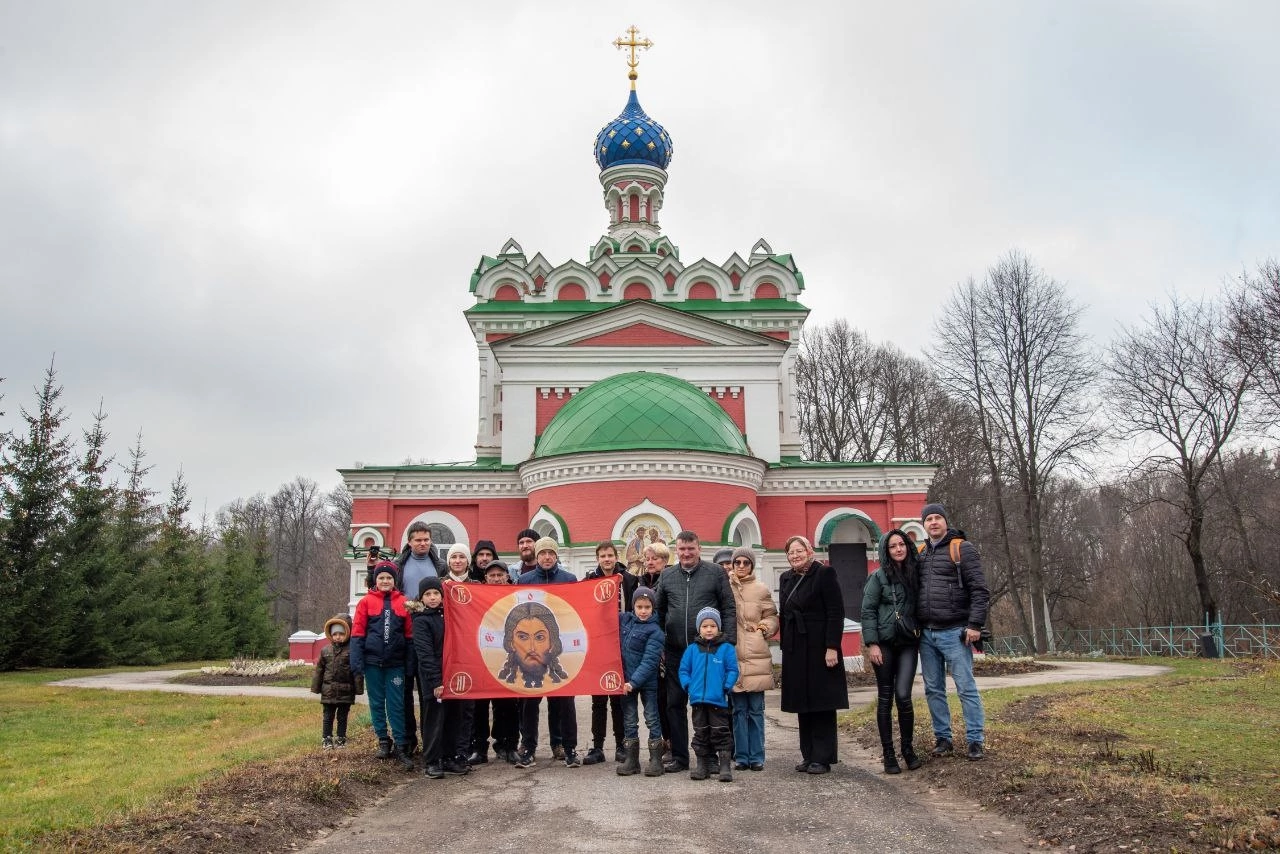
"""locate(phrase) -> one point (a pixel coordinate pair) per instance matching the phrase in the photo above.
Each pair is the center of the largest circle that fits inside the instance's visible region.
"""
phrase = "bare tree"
(841, 413)
(1011, 347)
(1253, 310)
(1176, 384)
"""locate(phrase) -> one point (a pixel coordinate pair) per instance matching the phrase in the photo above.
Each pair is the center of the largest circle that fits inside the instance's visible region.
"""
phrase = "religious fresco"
(642, 530)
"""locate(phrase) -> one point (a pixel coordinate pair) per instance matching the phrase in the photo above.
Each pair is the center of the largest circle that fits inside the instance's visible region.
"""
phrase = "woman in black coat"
(813, 683)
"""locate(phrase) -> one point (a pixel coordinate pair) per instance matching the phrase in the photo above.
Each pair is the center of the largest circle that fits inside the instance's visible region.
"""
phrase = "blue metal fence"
(1260, 640)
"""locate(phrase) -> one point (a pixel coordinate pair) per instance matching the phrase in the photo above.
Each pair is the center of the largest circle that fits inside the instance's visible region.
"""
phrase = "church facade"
(629, 395)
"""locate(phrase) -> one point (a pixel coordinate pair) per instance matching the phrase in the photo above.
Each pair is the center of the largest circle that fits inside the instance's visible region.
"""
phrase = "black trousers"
(676, 726)
(562, 722)
(410, 725)
(446, 729)
(505, 729)
(711, 733)
(818, 737)
(338, 711)
(609, 705)
(894, 675)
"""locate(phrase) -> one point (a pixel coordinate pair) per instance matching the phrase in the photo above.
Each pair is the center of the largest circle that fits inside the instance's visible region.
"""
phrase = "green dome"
(641, 411)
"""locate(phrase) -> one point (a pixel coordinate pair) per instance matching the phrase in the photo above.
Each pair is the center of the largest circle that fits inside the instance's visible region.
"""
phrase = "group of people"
(693, 634)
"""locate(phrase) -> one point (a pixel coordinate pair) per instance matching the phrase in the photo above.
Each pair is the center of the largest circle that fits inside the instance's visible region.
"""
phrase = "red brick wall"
(736, 407)
(591, 510)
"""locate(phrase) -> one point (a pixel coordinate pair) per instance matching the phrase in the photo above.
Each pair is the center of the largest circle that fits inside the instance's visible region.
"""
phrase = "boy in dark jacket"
(602, 705)
(379, 639)
(708, 671)
(442, 748)
(642, 640)
(334, 681)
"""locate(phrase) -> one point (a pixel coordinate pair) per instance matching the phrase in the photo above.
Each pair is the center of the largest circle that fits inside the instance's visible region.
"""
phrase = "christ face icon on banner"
(531, 638)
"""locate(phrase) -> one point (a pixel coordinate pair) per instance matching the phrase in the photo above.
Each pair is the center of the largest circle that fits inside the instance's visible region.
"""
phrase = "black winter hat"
(527, 532)
(431, 582)
(481, 545)
(929, 509)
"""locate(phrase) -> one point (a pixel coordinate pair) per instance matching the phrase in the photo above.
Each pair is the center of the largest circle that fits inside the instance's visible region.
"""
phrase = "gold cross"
(632, 42)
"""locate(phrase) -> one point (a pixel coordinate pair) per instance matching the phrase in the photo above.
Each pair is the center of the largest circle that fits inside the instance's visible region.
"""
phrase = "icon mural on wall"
(642, 530)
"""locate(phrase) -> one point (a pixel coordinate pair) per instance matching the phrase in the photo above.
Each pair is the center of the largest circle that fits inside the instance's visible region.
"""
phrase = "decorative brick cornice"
(870, 480)
(425, 484)
(640, 465)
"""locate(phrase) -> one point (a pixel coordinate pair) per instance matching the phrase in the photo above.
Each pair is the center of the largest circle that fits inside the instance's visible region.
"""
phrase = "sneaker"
(975, 752)
(557, 751)
(524, 759)
(740, 766)
(572, 760)
(506, 754)
(594, 756)
(340, 741)
(327, 744)
(455, 766)
(943, 748)
(756, 766)
(478, 758)
(433, 771)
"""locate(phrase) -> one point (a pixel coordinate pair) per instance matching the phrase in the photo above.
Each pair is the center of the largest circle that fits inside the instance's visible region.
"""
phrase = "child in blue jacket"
(642, 641)
(708, 671)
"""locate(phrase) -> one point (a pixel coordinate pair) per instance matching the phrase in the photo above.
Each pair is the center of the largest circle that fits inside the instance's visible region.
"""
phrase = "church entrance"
(849, 560)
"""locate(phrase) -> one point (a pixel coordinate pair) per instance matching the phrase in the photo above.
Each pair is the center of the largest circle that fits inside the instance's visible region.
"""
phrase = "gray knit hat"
(930, 509)
(745, 552)
(708, 614)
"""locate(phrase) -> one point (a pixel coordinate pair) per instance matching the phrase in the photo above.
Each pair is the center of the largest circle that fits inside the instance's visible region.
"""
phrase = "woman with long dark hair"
(891, 637)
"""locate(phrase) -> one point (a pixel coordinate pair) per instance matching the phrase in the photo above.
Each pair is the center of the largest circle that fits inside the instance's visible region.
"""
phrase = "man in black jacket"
(951, 607)
(684, 590)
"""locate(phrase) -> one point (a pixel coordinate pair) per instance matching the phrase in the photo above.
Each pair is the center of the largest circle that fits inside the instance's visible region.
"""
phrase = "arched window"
(637, 290)
(703, 290)
(507, 293)
(767, 290)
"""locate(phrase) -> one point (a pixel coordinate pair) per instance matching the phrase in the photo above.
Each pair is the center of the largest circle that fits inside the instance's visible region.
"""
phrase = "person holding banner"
(684, 590)
(609, 705)
(565, 719)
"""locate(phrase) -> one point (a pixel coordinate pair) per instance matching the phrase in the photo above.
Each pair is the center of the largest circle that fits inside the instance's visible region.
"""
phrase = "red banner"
(531, 640)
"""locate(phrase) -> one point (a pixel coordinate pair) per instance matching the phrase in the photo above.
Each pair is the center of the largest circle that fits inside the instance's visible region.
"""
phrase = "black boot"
(884, 724)
(384, 748)
(654, 768)
(726, 767)
(398, 754)
(891, 765)
(907, 730)
(701, 771)
(631, 765)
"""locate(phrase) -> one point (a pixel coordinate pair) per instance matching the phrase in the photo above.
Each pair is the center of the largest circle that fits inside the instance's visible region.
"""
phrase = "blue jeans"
(944, 646)
(748, 727)
(386, 701)
(631, 712)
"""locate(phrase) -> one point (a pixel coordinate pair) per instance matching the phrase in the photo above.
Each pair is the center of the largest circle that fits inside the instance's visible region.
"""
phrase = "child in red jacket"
(380, 638)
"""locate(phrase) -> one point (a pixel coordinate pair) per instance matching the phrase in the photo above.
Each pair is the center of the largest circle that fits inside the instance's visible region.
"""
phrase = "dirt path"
(550, 807)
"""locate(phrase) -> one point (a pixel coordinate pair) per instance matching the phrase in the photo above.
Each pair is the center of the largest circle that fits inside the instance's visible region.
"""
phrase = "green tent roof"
(641, 411)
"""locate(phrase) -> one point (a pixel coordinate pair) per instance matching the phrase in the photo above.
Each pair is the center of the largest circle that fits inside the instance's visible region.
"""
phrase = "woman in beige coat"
(757, 621)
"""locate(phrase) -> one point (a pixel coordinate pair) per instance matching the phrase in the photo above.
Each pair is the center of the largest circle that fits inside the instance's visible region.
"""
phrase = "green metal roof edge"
(787, 463)
(586, 306)
(824, 536)
(486, 262)
(475, 466)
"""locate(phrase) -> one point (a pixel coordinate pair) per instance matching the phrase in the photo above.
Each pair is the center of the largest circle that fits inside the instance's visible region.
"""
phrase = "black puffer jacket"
(951, 596)
(681, 595)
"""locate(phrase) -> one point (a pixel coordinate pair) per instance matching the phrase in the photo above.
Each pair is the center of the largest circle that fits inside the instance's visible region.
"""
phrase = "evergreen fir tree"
(246, 563)
(208, 637)
(176, 575)
(87, 551)
(132, 572)
(35, 477)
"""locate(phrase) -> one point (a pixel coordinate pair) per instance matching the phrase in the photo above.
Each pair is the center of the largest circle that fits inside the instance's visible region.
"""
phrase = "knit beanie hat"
(527, 532)
(431, 582)
(643, 592)
(459, 548)
(546, 544)
(723, 556)
(929, 509)
(708, 614)
(745, 552)
(387, 567)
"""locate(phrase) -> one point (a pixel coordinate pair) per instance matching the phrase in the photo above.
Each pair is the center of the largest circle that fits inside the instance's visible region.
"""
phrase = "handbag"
(905, 627)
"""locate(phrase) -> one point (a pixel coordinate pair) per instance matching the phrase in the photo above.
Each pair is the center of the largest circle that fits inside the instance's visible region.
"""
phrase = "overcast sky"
(237, 224)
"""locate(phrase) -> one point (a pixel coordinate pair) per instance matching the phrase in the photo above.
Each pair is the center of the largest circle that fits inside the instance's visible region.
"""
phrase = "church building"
(630, 395)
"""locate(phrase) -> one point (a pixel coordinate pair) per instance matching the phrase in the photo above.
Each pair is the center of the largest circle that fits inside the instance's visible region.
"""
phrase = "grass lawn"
(75, 757)
(1182, 760)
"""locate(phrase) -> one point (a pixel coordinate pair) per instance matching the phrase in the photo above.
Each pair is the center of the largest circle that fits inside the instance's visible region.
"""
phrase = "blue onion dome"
(633, 137)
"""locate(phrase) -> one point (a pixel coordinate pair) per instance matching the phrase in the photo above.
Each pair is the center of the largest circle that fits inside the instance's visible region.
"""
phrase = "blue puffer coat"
(641, 649)
(709, 670)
